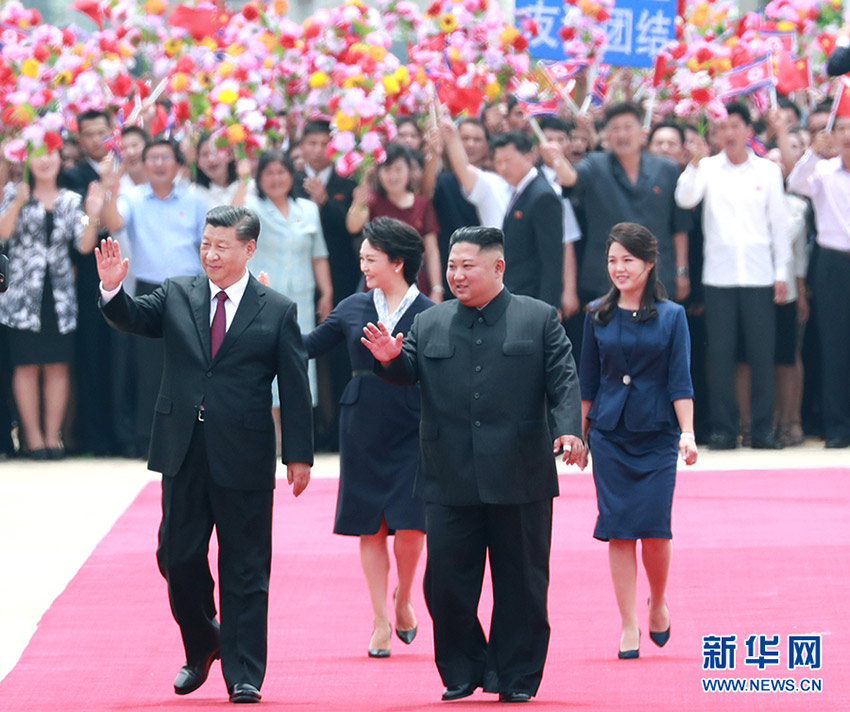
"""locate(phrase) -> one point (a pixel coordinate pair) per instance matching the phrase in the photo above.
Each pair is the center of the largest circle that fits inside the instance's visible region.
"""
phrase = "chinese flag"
(200, 22)
(791, 74)
(91, 8)
(842, 99)
(459, 99)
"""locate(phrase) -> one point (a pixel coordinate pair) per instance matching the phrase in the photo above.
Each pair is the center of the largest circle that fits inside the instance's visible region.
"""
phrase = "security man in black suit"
(533, 224)
(332, 193)
(489, 365)
(226, 337)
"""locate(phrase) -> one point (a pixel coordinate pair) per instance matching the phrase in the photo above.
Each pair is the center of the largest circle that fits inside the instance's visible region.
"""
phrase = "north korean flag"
(750, 77)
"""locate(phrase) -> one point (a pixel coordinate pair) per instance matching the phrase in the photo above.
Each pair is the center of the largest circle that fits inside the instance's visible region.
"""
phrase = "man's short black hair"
(138, 130)
(487, 238)
(316, 126)
(246, 221)
(738, 108)
(555, 123)
(91, 115)
(162, 141)
(621, 108)
(785, 103)
(520, 140)
(668, 125)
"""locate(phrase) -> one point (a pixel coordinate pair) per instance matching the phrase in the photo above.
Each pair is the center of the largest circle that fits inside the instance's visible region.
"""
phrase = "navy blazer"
(642, 389)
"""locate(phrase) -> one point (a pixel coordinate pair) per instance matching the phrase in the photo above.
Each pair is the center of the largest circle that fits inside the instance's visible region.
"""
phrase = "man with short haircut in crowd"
(94, 425)
(627, 184)
(827, 182)
(747, 260)
(520, 200)
(332, 193)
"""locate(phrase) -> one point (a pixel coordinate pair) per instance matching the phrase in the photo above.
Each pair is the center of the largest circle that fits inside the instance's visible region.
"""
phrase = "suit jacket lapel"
(251, 304)
(199, 299)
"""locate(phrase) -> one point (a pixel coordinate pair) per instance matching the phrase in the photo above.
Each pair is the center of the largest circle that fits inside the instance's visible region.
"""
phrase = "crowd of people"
(754, 247)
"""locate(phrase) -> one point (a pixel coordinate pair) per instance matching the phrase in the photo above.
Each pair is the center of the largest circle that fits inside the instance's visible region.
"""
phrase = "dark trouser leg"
(832, 300)
(457, 547)
(721, 325)
(243, 521)
(758, 319)
(124, 391)
(184, 537)
(520, 539)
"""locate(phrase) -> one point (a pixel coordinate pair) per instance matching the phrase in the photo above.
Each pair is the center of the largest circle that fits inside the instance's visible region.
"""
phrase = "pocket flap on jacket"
(439, 351)
(518, 348)
(163, 404)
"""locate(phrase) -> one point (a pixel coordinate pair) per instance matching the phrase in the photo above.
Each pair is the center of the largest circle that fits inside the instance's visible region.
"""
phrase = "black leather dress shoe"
(837, 442)
(458, 692)
(245, 692)
(193, 675)
(514, 697)
(768, 443)
(722, 442)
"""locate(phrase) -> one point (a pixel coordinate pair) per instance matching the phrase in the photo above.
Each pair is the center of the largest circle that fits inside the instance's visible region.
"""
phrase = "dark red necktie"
(219, 323)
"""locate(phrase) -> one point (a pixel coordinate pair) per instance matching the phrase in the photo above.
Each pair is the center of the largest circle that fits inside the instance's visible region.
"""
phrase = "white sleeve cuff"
(106, 295)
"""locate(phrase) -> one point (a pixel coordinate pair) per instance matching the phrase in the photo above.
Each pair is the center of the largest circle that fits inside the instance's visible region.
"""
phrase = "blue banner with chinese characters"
(637, 30)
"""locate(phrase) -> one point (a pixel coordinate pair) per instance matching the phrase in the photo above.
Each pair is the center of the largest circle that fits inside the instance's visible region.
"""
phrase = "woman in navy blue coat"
(379, 426)
(637, 403)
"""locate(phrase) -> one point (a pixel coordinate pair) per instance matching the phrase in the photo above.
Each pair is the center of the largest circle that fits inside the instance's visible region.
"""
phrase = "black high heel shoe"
(405, 636)
(630, 654)
(660, 638)
(381, 652)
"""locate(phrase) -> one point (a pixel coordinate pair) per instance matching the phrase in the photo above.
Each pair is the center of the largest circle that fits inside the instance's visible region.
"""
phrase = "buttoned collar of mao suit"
(491, 312)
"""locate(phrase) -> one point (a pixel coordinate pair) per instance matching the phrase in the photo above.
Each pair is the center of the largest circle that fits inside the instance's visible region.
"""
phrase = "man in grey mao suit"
(225, 338)
(490, 365)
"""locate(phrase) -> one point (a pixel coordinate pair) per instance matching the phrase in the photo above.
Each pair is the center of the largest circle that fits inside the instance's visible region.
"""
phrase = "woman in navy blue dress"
(637, 403)
(379, 427)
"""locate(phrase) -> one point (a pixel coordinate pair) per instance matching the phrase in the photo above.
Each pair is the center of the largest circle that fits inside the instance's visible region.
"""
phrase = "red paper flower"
(567, 33)
(701, 95)
(52, 141)
(250, 11)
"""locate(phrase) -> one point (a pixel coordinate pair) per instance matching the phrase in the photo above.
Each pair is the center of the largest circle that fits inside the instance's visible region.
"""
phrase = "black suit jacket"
(534, 250)
(486, 379)
(343, 257)
(235, 387)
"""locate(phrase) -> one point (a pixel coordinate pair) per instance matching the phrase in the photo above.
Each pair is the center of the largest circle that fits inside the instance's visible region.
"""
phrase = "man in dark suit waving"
(489, 364)
(226, 337)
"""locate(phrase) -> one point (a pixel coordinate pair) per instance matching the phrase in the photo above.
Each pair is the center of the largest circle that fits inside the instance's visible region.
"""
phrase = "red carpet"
(762, 553)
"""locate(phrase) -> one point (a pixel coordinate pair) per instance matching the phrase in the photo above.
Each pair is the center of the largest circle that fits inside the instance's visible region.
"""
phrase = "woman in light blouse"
(291, 248)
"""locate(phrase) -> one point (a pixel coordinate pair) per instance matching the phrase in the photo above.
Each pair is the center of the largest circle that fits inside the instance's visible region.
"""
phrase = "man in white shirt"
(519, 200)
(827, 183)
(747, 258)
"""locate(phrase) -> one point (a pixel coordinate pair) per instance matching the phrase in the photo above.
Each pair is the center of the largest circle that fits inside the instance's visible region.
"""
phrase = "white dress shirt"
(234, 293)
(324, 174)
(572, 232)
(827, 183)
(745, 220)
(490, 195)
